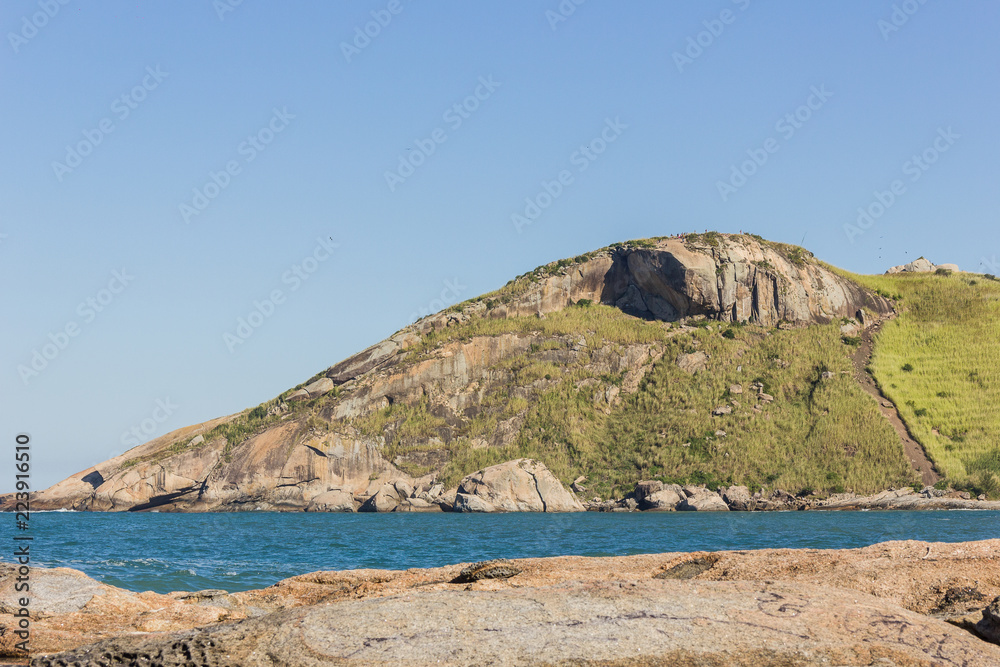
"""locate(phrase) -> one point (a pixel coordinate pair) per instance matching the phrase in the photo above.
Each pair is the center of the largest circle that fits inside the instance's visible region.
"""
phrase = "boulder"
(692, 363)
(949, 267)
(722, 410)
(703, 502)
(403, 489)
(989, 627)
(665, 500)
(646, 488)
(332, 501)
(385, 500)
(446, 500)
(850, 329)
(417, 505)
(735, 389)
(919, 265)
(319, 387)
(737, 498)
(465, 502)
(522, 485)
(298, 395)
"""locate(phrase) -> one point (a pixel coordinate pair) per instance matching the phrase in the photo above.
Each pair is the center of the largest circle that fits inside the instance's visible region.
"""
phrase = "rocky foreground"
(896, 603)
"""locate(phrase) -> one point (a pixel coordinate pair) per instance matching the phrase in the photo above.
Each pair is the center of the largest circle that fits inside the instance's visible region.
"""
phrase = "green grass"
(824, 435)
(405, 428)
(939, 361)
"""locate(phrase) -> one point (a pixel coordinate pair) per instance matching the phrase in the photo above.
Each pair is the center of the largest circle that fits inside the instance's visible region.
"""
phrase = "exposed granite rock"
(903, 499)
(385, 499)
(465, 502)
(319, 387)
(417, 505)
(706, 501)
(738, 498)
(333, 501)
(771, 607)
(921, 265)
(665, 500)
(522, 485)
(989, 627)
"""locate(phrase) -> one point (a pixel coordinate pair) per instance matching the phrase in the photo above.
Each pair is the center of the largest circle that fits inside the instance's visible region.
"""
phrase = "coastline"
(647, 496)
(910, 602)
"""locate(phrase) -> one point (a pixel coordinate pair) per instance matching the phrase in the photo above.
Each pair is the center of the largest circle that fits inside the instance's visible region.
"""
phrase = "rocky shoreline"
(656, 496)
(526, 485)
(895, 603)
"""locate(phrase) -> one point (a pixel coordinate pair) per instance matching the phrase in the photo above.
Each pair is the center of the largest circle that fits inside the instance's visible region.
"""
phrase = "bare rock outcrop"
(703, 501)
(921, 265)
(738, 498)
(773, 607)
(333, 501)
(522, 485)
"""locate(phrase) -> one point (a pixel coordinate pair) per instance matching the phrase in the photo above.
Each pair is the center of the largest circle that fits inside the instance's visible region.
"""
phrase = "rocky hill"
(690, 359)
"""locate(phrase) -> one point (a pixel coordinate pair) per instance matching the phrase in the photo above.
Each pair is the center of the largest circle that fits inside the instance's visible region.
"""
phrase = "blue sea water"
(234, 552)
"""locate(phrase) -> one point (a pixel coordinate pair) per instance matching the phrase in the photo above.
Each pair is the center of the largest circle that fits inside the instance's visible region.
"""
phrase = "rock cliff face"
(396, 411)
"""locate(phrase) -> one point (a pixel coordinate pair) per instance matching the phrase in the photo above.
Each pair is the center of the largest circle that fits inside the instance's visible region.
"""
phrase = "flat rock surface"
(621, 623)
(886, 604)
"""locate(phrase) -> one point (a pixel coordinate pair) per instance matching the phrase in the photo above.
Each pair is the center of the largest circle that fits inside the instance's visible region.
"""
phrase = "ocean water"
(234, 552)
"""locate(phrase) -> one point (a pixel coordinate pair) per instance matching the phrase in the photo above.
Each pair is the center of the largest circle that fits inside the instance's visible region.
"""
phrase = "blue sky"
(276, 126)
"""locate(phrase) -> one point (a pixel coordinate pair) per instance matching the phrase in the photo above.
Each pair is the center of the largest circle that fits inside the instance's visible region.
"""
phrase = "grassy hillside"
(940, 363)
(569, 401)
(818, 434)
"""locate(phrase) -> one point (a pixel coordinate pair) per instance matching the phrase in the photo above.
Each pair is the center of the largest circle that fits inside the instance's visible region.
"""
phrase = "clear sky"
(203, 149)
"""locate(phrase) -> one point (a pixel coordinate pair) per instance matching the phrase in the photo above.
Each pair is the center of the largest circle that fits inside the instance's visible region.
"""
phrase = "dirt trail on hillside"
(914, 450)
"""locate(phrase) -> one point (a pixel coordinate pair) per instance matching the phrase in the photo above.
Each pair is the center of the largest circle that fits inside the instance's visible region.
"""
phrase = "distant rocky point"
(921, 265)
